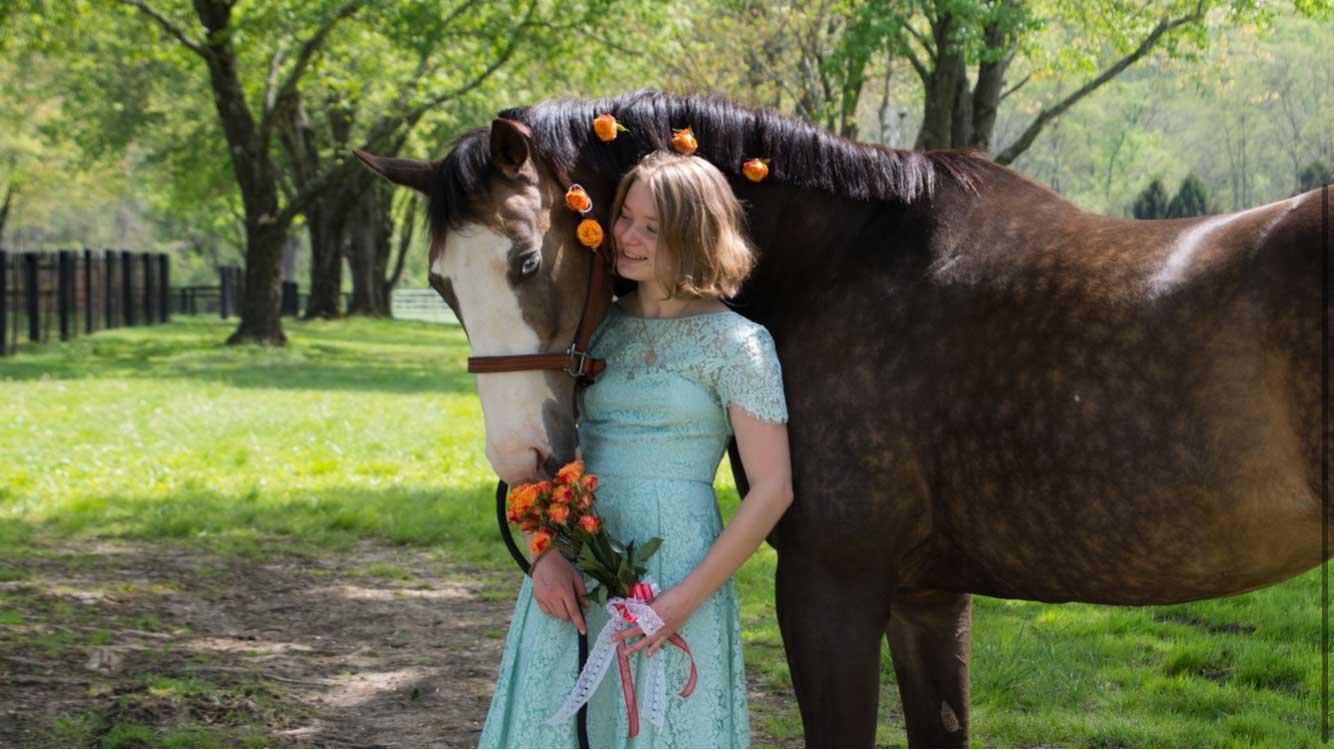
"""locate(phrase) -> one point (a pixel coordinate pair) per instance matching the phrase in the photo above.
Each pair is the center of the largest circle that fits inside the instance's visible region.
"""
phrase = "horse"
(991, 391)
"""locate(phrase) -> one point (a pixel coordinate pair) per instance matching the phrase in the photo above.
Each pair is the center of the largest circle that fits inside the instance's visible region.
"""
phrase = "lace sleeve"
(752, 378)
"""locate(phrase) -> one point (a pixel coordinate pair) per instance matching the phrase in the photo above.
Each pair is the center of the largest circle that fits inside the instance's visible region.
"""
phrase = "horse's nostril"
(552, 465)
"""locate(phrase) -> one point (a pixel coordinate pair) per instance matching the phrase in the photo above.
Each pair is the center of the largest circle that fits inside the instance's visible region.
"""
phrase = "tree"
(1315, 175)
(1152, 203)
(1192, 199)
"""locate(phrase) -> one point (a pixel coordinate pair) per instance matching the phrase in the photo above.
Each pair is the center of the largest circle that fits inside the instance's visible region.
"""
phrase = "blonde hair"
(700, 222)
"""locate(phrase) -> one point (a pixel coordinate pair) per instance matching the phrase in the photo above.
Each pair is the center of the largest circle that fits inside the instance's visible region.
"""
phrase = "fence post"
(150, 289)
(88, 305)
(127, 288)
(64, 277)
(4, 303)
(164, 284)
(108, 299)
(224, 292)
(34, 304)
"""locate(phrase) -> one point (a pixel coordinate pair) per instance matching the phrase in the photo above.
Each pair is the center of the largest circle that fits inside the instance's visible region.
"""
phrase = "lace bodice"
(669, 419)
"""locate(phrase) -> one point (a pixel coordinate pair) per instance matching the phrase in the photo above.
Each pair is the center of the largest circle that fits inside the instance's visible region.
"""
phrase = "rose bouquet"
(562, 512)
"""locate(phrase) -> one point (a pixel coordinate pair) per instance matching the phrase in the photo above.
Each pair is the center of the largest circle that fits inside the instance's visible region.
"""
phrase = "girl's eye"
(651, 230)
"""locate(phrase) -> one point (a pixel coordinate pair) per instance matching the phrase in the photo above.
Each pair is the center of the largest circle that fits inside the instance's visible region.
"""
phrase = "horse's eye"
(530, 264)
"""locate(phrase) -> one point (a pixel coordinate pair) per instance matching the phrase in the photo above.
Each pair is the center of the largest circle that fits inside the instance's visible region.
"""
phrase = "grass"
(371, 430)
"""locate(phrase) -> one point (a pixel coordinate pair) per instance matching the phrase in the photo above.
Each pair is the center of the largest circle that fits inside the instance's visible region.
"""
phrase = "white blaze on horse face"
(475, 260)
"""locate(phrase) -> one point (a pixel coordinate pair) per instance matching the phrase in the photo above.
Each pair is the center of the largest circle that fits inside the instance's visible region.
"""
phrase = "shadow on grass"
(348, 355)
(461, 519)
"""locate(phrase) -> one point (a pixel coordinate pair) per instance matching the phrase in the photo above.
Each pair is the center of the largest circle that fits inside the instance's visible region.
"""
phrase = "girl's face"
(636, 231)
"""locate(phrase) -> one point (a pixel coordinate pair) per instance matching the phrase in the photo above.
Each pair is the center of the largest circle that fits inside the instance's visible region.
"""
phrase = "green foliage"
(1192, 199)
(1314, 175)
(1152, 203)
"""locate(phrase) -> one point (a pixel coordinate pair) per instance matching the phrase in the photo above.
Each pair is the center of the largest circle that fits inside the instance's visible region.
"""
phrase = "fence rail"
(69, 292)
(420, 304)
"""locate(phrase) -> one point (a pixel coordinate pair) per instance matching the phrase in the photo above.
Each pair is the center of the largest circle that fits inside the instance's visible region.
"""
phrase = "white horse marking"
(475, 260)
(1190, 242)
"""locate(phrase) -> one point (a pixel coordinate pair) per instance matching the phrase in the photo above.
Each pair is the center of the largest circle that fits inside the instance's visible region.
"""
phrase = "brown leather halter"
(575, 361)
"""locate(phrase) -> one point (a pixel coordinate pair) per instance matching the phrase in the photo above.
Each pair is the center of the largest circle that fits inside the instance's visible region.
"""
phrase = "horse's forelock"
(460, 183)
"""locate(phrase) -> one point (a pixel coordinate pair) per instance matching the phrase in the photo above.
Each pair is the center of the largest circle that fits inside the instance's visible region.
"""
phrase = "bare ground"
(132, 644)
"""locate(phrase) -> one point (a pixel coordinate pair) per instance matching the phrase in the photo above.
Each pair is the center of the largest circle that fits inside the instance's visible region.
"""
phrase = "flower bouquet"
(562, 512)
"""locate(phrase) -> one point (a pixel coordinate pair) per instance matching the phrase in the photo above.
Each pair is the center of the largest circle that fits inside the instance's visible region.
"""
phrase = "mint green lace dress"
(654, 434)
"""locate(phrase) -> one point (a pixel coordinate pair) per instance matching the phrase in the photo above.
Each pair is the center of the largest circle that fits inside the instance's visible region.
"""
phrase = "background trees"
(222, 131)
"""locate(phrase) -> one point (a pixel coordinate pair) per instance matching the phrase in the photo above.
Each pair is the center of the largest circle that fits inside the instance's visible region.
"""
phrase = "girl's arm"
(764, 454)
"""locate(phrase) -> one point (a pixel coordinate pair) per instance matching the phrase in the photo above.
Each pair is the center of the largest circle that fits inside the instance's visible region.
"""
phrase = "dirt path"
(139, 645)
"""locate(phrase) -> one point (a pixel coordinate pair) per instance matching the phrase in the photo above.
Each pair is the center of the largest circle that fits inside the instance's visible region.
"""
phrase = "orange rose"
(577, 199)
(590, 523)
(559, 514)
(570, 473)
(589, 482)
(684, 141)
(520, 500)
(529, 524)
(756, 169)
(561, 495)
(606, 128)
(590, 233)
(540, 487)
(541, 540)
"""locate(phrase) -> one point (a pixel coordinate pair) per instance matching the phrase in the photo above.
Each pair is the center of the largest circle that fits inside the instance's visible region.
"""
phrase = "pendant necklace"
(651, 356)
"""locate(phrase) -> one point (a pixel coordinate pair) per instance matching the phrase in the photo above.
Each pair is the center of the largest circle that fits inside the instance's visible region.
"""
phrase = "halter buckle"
(579, 361)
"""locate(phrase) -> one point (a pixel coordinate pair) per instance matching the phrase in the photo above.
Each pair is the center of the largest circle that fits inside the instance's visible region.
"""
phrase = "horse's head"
(505, 257)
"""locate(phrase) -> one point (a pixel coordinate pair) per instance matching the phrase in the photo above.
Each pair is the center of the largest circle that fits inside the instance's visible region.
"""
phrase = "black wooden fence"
(70, 292)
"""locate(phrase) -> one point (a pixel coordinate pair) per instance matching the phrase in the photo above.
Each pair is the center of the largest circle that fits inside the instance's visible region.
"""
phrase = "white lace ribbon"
(604, 651)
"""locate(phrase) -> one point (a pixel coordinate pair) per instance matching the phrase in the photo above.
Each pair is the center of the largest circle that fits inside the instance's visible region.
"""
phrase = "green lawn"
(371, 430)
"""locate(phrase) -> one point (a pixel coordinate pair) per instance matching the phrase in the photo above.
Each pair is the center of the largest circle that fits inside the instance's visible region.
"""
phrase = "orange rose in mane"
(576, 199)
(684, 141)
(606, 128)
(756, 169)
(590, 233)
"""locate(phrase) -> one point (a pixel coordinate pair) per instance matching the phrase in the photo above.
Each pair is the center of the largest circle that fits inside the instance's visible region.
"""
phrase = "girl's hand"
(674, 606)
(559, 588)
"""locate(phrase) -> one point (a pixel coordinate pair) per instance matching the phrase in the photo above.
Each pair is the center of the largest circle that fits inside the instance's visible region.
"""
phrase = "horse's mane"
(801, 154)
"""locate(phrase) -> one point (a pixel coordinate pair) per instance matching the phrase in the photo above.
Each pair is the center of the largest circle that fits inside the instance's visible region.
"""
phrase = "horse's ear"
(406, 172)
(509, 145)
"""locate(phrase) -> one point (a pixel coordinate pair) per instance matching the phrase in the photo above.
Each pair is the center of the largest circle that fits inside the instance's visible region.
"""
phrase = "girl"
(683, 374)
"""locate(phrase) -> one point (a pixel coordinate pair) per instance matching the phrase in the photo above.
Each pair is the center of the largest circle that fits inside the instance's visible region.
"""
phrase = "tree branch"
(917, 65)
(1014, 88)
(167, 26)
(1050, 113)
(271, 83)
(308, 50)
(385, 128)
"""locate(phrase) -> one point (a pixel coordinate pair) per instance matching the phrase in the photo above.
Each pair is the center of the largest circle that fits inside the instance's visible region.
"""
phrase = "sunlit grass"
(371, 430)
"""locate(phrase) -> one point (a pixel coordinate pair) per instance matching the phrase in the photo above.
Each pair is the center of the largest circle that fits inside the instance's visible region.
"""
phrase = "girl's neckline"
(620, 310)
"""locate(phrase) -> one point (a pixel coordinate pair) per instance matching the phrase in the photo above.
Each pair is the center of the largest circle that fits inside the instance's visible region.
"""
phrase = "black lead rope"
(502, 492)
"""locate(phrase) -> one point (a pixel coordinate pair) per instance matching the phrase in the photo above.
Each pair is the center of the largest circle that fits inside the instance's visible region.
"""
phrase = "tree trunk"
(326, 262)
(261, 303)
(368, 254)
(261, 307)
(4, 211)
(990, 82)
(941, 90)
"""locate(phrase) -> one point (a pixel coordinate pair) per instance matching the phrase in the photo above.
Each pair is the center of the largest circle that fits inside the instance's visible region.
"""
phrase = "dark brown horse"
(991, 391)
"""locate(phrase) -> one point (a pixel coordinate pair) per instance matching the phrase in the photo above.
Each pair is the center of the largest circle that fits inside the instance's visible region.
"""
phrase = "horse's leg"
(832, 627)
(929, 639)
